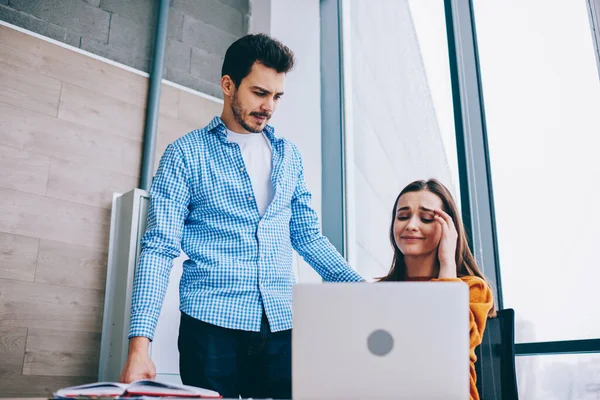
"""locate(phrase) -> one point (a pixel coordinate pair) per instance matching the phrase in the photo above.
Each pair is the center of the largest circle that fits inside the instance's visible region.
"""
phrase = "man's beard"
(238, 113)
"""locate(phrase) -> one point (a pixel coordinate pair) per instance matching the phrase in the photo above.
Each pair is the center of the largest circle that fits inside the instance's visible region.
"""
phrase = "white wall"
(298, 117)
(397, 136)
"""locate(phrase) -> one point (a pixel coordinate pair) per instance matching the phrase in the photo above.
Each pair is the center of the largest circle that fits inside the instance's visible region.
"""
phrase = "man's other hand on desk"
(139, 365)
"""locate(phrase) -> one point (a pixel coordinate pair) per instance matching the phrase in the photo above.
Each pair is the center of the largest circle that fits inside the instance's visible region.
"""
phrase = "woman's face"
(415, 230)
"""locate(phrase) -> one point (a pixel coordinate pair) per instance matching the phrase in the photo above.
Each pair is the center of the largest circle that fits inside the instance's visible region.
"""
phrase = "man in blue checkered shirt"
(232, 196)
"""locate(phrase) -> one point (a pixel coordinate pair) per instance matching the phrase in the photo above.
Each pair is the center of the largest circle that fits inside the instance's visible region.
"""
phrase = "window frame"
(474, 161)
(476, 186)
(594, 14)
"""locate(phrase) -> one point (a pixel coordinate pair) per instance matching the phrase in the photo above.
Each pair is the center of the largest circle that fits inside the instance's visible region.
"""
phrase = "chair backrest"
(495, 366)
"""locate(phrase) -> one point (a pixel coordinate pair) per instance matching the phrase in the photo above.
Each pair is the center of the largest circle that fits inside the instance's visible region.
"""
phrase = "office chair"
(495, 366)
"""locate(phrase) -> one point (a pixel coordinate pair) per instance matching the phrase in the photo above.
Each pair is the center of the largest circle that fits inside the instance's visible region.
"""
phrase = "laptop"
(389, 340)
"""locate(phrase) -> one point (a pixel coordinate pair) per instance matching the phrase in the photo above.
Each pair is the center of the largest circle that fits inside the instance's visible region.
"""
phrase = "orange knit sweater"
(481, 302)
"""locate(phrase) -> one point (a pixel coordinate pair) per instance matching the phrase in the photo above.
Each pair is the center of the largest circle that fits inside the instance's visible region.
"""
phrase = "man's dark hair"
(261, 48)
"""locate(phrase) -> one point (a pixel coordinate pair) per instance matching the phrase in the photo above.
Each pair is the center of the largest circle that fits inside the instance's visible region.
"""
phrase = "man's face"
(255, 100)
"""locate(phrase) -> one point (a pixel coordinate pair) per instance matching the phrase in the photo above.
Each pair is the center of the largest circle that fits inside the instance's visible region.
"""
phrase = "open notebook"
(134, 389)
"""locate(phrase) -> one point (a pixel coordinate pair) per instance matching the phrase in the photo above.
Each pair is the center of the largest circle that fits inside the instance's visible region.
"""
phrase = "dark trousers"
(234, 362)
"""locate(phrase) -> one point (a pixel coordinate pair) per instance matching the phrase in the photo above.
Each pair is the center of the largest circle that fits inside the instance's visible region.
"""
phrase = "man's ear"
(227, 85)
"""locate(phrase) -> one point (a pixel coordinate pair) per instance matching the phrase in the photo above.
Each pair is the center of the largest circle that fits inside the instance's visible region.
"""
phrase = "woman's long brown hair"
(465, 262)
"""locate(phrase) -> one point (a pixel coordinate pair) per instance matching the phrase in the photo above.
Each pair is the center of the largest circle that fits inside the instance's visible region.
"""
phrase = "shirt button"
(249, 198)
(242, 169)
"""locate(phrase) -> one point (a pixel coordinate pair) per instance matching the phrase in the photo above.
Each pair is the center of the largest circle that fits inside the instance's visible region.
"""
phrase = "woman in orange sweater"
(430, 244)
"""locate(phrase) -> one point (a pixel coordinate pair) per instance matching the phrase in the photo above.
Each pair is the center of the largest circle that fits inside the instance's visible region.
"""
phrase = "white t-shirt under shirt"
(258, 157)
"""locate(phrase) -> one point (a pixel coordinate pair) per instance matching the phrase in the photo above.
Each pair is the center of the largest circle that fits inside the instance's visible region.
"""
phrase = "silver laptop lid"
(401, 340)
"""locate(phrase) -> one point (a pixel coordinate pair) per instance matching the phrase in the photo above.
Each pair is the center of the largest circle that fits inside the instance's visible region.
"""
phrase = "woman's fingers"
(441, 221)
(445, 217)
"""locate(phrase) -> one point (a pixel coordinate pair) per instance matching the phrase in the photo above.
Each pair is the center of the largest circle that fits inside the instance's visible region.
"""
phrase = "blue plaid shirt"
(202, 201)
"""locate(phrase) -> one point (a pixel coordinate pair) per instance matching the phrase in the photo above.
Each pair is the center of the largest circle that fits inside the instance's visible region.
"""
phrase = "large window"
(542, 99)
(526, 99)
(399, 116)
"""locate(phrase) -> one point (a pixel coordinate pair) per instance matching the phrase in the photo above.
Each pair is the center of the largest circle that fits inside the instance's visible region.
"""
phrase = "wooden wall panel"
(18, 255)
(23, 170)
(71, 130)
(12, 347)
(24, 88)
(45, 355)
(169, 101)
(197, 110)
(47, 218)
(100, 111)
(71, 265)
(86, 184)
(44, 306)
(66, 65)
(69, 141)
(169, 130)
